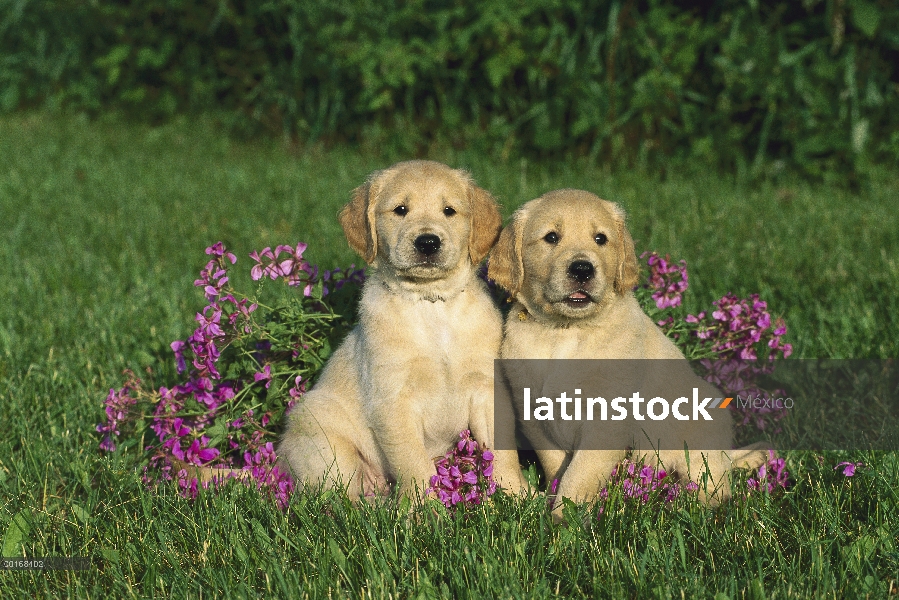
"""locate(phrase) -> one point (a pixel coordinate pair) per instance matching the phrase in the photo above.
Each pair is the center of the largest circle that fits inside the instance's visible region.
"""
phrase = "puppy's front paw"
(753, 456)
(514, 485)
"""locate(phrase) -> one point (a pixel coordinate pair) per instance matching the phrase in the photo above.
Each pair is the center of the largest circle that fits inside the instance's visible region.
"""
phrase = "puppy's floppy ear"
(628, 272)
(505, 266)
(485, 222)
(357, 220)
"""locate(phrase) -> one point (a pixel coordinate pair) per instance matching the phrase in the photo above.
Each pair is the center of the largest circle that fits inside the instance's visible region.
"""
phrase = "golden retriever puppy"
(418, 368)
(569, 262)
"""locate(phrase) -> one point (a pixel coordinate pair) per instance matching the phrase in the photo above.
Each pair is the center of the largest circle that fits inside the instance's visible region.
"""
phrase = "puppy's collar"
(525, 315)
(421, 296)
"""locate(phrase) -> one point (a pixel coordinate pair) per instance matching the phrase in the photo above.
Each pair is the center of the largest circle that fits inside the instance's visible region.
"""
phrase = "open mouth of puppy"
(578, 299)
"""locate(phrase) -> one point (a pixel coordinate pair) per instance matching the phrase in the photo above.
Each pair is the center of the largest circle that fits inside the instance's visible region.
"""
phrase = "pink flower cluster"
(214, 275)
(737, 326)
(771, 475)
(210, 336)
(643, 482)
(667, 279)
(296, 392)
(259, 468)
(117, 405)
(464, 474)
(295, 271)
(213, 333)
(736, 332)
(184, 415)
(262, 465)
(181, 437)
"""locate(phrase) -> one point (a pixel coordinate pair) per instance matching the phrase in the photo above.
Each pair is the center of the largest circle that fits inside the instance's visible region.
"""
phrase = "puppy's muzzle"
(427, 244)
(581, 271)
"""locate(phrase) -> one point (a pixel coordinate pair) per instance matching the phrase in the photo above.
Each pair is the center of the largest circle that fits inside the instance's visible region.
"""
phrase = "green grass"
(102, 230)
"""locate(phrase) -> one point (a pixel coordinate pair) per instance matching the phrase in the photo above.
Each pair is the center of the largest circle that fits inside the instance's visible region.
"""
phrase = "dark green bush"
(742, 84)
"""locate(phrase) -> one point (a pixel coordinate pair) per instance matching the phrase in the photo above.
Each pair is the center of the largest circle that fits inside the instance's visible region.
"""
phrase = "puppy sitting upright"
(418, 368)
(569, 263)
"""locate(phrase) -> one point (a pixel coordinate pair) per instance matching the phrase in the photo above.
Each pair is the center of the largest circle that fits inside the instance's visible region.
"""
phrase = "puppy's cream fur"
(418, 368)
(557, 316)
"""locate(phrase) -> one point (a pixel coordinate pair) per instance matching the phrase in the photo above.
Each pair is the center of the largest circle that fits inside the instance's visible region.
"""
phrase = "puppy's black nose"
(427, 244)
(581, 271)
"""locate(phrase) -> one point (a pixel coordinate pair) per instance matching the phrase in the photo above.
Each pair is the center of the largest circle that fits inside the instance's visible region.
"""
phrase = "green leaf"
(81, 514)
(865, 16)
(679, 537)
(110, 554)
(16, 533)
(569, 510)
(115, 56)
(337, 554)
(216, 433)
(325, 351)
(502, 65)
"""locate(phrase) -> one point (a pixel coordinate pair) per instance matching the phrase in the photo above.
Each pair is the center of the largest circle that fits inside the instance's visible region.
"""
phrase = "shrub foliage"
(748, 85)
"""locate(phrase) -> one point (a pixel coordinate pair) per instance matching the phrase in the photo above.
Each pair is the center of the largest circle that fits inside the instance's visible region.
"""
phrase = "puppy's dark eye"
(601, 239)
(449, 211)
(401, 210)
(551, 238)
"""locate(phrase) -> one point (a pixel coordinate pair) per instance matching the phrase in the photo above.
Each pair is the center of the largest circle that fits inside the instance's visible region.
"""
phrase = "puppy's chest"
(447, 330)
(433, 326)
(532, 341)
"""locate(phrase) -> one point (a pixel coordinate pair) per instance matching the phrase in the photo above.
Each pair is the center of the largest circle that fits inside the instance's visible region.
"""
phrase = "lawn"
(102, 230)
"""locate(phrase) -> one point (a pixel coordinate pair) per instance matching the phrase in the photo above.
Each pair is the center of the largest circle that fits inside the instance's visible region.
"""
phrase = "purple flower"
(189, 485)
(267, 475)
(849, 467)
(668, 281)
(239, 310)
(214, 275)
(178, 348)
(738, 331)
(638, 482)
(770, 476)
(218, 249)
(299, 387)
(294, 265)
(293, 269)
(210, 320)
(198, 453)
(117, 407)
(260, 269)
(205, 339)
(464, 474)
(265, 375)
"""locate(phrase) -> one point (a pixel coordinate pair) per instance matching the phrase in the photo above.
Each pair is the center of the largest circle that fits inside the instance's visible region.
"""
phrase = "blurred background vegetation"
(751, 87)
